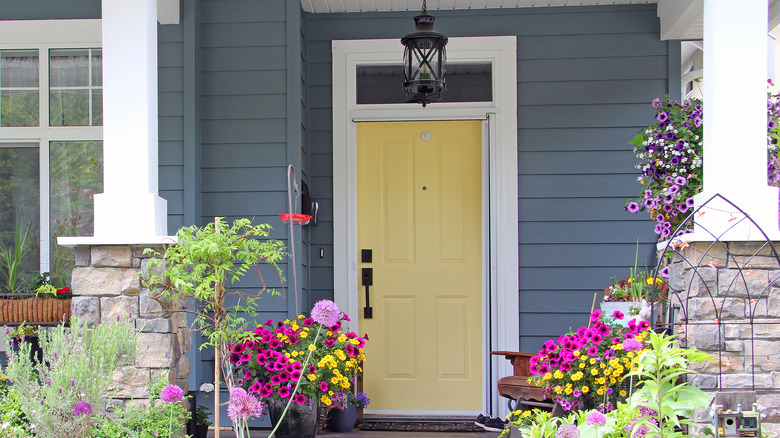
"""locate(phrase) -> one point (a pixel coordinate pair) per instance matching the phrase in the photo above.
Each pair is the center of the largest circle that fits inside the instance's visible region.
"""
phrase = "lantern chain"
(425, 7)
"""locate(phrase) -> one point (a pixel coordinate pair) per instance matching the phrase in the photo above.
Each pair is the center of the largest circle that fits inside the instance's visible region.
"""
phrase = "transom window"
(51, 161)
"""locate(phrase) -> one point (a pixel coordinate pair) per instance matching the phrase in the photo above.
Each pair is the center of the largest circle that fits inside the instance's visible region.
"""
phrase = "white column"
(735, 121)
(129, 205)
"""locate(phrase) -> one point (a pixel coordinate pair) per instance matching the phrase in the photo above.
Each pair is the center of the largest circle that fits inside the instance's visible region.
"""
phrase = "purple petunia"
(633, 207)
(662, 116)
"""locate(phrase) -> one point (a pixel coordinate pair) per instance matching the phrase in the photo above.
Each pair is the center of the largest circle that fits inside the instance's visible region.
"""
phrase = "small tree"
(202, 269)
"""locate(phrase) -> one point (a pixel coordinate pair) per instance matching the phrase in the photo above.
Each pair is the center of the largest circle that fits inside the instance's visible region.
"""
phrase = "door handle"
(368, 280)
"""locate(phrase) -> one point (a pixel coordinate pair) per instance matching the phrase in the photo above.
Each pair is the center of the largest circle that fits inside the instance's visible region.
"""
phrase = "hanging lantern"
(424, 60)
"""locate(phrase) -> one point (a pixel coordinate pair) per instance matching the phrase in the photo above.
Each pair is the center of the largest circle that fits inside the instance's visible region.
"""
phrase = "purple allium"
(244, 406)
(632, 345)
(567, 431)
(326, 313)
(172, 393)
(596, 418)
(82, 408)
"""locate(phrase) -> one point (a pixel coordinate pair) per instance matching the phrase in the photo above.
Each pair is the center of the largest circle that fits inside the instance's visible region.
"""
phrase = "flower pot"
(514, 431)
(343, 420)
(609, 307)
(299, 422)
(201, 430)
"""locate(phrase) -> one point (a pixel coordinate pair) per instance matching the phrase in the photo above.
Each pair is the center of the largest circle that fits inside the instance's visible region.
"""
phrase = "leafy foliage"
(662, 370)
(203, 268)
(157, 419)
(78, 366)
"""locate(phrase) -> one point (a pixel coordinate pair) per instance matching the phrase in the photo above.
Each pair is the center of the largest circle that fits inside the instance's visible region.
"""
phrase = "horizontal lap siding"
(49, 10)
(586, 76)
(170, 92)
(244, 111)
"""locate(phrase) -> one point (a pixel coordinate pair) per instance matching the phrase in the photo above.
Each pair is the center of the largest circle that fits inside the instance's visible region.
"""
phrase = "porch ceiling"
(680, 19)
(318, 6)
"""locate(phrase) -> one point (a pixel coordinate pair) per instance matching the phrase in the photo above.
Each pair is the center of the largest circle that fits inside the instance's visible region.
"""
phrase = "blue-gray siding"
(49, 10)
(586, 76)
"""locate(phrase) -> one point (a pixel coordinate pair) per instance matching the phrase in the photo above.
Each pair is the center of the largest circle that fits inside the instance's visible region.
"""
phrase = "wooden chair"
(521, 394)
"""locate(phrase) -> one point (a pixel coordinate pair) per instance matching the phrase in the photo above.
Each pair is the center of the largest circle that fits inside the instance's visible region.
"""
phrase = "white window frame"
(44, 35)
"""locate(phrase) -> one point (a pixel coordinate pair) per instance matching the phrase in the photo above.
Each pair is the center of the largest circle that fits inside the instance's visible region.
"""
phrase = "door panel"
(419, 211)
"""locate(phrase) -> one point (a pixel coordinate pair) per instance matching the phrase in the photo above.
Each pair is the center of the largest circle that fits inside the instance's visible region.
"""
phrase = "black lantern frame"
(425, 61)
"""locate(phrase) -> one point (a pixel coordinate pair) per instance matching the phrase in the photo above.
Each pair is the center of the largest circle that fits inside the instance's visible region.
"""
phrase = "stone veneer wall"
(106, 286)
(714, 288)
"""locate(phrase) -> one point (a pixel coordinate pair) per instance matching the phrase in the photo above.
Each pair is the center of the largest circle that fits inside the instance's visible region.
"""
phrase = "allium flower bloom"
(326, 313)
(632, 345)
(172, 393)
(596, 418)
(244, 406)
(82, 408)
(567, 431)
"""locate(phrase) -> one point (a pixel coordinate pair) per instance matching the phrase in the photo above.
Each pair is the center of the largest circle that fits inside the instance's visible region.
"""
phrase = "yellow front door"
(419, 213)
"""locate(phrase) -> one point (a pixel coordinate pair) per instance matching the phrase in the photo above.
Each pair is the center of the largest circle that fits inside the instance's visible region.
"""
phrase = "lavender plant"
(62, 395)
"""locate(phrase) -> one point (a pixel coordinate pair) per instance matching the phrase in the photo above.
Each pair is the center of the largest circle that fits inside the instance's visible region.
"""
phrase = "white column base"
(125, 215)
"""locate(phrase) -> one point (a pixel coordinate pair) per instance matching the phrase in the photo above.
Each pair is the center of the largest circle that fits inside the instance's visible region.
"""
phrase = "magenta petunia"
(299, 399)
(324, 386)
(593, 351)
(284, 392)
(595, 316)
(617, 314)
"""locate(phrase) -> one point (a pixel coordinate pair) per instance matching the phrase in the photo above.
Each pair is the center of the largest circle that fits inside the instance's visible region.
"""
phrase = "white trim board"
(501, 322)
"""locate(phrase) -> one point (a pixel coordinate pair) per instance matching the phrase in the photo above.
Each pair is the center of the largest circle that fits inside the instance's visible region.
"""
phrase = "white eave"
(680, 19)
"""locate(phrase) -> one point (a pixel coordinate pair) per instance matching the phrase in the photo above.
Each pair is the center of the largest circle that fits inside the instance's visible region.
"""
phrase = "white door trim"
(501, 325)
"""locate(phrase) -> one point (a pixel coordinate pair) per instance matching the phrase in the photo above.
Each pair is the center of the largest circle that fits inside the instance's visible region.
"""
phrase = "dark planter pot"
(299, 422)
(343, 420)
(201, 430)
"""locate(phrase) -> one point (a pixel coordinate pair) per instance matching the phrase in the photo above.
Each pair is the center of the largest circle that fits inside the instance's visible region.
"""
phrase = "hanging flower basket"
(18, 308)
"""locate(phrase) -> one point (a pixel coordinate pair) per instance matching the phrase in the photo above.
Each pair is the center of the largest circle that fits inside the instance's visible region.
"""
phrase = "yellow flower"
(558, 390)
(600, 391)
(311, 347)
(594, 372)
(623, 393)
(593, 361)
(582, 365)
(558, 374)
(342, 338)
(326, 400)
(311, 377)
(568, 391)
(585, 390)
